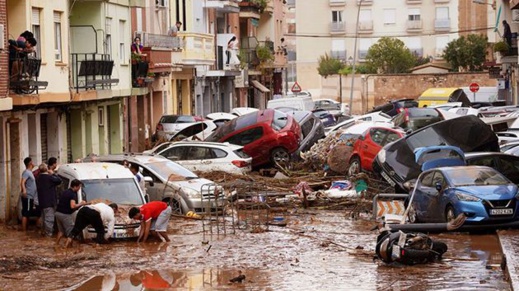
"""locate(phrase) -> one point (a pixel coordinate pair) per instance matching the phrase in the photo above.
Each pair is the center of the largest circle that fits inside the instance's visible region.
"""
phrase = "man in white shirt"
(98, 215)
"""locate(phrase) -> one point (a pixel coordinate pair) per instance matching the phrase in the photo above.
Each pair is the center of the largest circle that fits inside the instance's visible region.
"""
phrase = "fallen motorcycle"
(408, 248)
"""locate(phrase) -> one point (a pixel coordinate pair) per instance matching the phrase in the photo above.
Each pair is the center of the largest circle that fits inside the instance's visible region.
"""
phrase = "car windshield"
(123, 191)
(167, 168)
(279, 121)
(235, 124)
(476, 176)
(177, 119)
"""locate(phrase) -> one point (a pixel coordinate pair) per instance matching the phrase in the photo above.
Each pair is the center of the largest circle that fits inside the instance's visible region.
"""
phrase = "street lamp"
(354, 61)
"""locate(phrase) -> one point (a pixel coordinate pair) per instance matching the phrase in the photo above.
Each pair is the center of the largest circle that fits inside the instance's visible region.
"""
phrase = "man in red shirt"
(154, 217)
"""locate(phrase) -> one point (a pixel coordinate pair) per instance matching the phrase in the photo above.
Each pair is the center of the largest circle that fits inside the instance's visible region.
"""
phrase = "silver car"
(168, 181)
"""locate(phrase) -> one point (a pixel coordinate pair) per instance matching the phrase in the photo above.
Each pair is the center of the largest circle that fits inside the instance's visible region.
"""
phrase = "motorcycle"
(407, 248)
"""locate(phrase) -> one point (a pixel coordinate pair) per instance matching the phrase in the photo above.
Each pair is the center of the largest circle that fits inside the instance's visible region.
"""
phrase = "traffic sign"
(296, 88)
(474, 87)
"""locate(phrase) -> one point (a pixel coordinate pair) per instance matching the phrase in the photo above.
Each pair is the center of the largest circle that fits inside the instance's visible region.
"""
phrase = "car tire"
(279, 155)
(449, 214)
(176, 207)
(355, 166)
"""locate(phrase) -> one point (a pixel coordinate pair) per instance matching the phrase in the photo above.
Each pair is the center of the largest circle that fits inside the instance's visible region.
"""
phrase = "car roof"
(140, 158)
(93, 171)
(208, 143)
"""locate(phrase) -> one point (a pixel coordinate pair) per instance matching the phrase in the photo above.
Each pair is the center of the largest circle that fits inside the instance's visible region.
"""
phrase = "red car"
(266, 135)
(367, 146)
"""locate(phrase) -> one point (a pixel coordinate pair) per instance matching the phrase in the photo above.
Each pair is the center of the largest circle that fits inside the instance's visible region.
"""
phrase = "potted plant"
(501, 47)
(264, 54)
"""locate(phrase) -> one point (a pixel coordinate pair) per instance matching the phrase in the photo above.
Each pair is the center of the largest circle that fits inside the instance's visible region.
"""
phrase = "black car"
(396, 161)
(312, 130)
(506, 164)
(393, 107)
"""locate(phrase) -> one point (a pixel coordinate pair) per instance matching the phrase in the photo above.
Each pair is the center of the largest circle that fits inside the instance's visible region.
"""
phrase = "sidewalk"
(509, 241)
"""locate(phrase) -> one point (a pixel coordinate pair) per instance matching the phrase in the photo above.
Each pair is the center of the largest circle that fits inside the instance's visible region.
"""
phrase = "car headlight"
(192, 193)
(382, 156)
(465, 197)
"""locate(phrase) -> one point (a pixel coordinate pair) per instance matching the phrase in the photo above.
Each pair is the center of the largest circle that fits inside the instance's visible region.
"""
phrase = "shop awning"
(260, 86)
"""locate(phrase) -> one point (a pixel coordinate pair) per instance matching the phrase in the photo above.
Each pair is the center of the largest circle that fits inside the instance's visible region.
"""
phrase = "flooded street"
(317, 250)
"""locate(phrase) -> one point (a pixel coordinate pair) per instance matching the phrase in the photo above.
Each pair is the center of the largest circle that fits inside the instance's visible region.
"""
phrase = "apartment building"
(346, 29)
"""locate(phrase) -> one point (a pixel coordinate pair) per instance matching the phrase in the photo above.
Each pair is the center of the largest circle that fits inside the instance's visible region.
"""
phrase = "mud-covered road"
(317, 250)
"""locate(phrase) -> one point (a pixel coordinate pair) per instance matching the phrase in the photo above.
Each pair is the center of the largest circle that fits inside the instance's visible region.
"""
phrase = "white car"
(465, 111)
(220, 118)
(239, 111)
(206, 156)
(375, 116)
(196, 131)
(330, 105)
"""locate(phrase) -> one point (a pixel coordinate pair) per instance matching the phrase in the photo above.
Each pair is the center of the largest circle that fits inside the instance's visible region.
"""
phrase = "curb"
(509, 248)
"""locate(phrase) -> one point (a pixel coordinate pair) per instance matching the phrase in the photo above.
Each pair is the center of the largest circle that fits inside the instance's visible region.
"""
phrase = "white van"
(305, 103)
(108, 182)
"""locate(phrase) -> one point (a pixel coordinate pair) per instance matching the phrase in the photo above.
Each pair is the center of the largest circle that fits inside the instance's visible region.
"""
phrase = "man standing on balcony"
(174, 29)
(507, 34)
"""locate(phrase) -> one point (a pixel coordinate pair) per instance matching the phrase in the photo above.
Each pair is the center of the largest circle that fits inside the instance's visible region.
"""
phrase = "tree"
(390, 56)
(329, 66)
(467, 53)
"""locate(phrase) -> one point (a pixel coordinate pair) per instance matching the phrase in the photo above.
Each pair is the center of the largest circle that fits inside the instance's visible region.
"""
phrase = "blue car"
(483, 194)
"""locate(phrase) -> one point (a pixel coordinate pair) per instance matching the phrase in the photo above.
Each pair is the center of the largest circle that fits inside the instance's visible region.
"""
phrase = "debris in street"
(238, 279)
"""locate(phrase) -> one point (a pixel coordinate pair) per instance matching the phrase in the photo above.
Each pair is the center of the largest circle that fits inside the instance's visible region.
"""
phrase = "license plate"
(121, 235)
(391, 182)
(501, 211)
(395, 253)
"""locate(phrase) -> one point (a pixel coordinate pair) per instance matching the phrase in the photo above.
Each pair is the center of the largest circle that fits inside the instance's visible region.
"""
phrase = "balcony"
(224, 6)
(365, 26)
(338, 54)
(92, 71)
(414, 1)
(441, 1)
(138, 3)
(337, 27)
(414, 25)
(198, 49)
(160, 40)
(337, 3)
(364, 2)
(250, 10)
(24, 73)
(442, 24)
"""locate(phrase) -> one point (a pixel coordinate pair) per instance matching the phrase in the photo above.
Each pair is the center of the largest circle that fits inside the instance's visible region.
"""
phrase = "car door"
(423, 193)
(176, 153)
(371, 145)
(252, 143)
(437, 199)
(509, 167)
(154, 189)
(198, 158)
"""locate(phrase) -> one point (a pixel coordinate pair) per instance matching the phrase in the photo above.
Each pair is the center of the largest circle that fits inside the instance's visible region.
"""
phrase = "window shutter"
(36, 16)
(57, 17)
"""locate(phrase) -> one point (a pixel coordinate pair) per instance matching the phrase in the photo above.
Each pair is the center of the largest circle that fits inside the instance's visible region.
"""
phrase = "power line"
(396, 35)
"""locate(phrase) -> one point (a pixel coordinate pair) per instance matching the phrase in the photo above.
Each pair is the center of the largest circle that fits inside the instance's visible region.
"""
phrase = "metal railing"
(442, 24)
(337, 26)
(92, 71)
(414, 24)
(159, 40)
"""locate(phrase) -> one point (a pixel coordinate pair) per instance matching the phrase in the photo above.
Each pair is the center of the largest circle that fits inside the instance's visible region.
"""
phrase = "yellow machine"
(434, 96)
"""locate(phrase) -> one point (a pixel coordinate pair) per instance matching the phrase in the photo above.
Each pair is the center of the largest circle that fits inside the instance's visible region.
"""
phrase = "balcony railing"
(92, 71)
(24, 71)
(225, 6)
(338, 54)
(337, 27)
(159, 40)
(414, 25)
(414, 1)
(198, 48)
(365, 26)
(442, 24)
(442, 1)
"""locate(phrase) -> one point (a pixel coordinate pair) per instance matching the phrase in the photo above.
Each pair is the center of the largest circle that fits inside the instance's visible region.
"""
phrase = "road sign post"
(474, 87)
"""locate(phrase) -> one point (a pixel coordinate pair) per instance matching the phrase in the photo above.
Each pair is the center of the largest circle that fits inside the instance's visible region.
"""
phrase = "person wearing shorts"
(154, 217)
(29, 194)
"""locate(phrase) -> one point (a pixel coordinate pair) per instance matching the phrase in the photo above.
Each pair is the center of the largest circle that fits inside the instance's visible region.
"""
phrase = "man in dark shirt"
(46, 185)
(67, 204)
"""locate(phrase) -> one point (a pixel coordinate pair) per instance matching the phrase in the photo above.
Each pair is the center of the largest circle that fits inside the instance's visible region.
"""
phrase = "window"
(336, 16)
(199, 153)
(58, 53)
(36, 28)
(377, 135)
(413, 14)
(338, 49)
(108, 36)
(427, 179)
(174, 154)
(389, 16)
(247, 136)
(441, 43)
(122, 45)
(391, 137)
(438, 179)
(364, 15)
(218, 153)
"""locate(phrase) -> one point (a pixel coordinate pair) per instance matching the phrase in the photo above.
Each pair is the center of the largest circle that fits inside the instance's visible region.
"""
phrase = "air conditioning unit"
(515, 15)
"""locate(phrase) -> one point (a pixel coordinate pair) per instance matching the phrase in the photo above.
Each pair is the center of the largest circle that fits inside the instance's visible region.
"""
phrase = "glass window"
(161, 147)
(377, 135)
(120, 191)
(218, 153)
(122, 44)
(438, 179)
(476, 176)
(442, 12)
(427, 179)
(336, 16)
(306, 127)
(166, 168)
(247, 136)
(198, 153)
(279, 121)
(389, 16)
(482, 161)
(414, 14)
(175, 153)
(108, 38)
(36, 28)
(391, 137)
(240, 153)
(57, 36)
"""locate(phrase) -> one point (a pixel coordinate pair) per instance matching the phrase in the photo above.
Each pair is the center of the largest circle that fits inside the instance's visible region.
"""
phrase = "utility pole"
(354, 56)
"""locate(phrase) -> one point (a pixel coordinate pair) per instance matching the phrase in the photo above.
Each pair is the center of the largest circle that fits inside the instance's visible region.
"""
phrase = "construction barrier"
(388, 203)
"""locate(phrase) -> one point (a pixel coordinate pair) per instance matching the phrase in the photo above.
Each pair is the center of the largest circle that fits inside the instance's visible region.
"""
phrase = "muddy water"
(317, 250)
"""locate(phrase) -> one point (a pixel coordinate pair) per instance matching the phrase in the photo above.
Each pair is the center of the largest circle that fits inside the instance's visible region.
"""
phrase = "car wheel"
(280, 156)
(354, 168)
(449, 214)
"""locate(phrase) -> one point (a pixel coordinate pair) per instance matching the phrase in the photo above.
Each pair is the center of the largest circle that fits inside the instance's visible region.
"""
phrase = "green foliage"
(261, 4)
(389, 56)
(329, 66)
(501, 46)
(422, 61)
(264, 54)
(359, 69)
(467, 53)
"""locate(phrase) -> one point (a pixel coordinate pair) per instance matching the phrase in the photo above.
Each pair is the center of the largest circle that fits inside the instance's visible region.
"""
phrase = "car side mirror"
(149, 180)
(438, 186)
